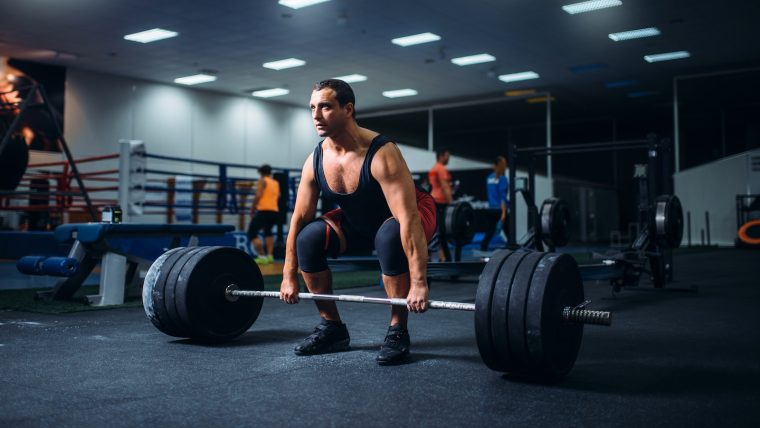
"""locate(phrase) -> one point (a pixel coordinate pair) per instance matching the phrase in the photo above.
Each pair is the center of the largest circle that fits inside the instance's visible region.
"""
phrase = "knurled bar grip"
(569, 313)
(432, 304)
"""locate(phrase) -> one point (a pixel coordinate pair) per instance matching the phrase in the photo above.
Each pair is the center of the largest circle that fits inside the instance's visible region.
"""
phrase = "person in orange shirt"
(440, 184)
(265, 210)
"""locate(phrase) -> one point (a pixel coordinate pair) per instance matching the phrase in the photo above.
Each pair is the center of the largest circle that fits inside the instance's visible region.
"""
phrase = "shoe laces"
(394, 337)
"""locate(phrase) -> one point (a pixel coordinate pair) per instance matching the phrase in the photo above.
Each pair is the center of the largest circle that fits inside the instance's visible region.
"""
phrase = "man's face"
(329, 117)
(502, 165)
(445, 158)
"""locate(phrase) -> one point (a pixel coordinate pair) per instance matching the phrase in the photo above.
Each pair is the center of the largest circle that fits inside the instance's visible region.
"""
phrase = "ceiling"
(235, 37)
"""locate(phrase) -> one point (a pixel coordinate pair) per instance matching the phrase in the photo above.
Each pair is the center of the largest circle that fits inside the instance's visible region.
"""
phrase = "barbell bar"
(569, 313)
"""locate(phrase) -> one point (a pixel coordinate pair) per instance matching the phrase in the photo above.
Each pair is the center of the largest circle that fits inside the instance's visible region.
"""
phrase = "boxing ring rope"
(49, 187)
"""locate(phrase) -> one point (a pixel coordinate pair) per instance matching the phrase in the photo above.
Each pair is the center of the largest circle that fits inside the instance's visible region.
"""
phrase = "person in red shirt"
(440, 184)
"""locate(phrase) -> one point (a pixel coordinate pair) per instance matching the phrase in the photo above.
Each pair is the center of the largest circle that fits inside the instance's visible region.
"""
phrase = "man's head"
(442, 155)
(500, 164)
(332, 106)
(265, 170)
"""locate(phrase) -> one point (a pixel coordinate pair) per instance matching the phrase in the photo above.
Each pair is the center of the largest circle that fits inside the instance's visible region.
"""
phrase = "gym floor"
(670, 359)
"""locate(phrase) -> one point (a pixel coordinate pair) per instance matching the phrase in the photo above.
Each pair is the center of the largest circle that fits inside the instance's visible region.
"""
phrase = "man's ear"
(350, 109)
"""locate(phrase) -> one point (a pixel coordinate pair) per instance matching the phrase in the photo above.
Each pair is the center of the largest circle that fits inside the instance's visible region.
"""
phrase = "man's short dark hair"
(343, 92)
(439, 152)
(498, 159)
(265, 169)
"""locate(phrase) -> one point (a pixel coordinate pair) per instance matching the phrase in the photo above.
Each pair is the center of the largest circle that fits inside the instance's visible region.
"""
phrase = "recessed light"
(516, 77)
(634, 34)
(397, 93)
(284, 63)
(195, 79)
(153, 35)
(473, 59)
(416, 39)
(666, 56)
(352, 78)
(588, 6)
(297, 4)
(269, 93)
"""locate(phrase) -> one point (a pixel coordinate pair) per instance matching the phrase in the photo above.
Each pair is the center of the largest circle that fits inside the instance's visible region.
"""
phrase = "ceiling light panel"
(153, 35)
(297, 4)
(416, 39)
(284, 63)
(269, 93)
(195, 79)
(669, 56)
(588, 6)
(352, 78)
(398, 93)
(516, 77)
(634, 34)
(473, 59)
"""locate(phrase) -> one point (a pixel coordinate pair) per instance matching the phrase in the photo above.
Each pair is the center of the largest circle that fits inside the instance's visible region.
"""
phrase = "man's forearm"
(415, 249)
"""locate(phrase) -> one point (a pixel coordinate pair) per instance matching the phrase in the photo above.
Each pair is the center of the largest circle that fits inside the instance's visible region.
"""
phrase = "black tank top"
(366, 208)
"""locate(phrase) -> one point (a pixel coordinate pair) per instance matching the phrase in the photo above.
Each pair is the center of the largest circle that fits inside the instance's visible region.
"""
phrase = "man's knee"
(390, 251)
(313, 243)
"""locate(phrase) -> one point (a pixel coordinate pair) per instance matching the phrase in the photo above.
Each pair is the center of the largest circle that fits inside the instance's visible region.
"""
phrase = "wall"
(713, 188)
(190, 123)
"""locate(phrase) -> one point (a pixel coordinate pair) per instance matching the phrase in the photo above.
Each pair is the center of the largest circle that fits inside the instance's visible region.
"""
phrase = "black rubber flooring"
(670, 359)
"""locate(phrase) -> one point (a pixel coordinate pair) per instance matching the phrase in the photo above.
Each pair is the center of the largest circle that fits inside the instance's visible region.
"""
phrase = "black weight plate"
(553, 343)
(170, 293)
(153, 293)
(555, 222)
(517, 311)
(201, 296)
(460, 223)
(483, 308)
(668, 220)
(499, 311)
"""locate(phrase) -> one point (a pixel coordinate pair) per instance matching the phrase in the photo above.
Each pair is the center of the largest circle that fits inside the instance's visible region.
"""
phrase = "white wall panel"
(712, 188)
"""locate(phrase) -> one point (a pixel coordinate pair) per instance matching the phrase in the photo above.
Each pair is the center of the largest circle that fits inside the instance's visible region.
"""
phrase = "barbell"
(529, 306)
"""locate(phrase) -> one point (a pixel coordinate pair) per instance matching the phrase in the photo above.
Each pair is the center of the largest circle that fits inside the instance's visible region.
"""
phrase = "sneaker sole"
(401, 360)
(341, 346)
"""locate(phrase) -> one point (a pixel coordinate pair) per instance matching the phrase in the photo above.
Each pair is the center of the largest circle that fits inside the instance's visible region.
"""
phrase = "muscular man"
(440, 183)
(379, 207)
(265, 210)
(497, 185)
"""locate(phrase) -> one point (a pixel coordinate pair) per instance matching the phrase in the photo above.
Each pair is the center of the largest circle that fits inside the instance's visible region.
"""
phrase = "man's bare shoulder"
(388, 161)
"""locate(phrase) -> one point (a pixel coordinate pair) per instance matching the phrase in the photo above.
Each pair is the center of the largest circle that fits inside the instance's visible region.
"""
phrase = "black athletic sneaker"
(395, 349)
(328, 336)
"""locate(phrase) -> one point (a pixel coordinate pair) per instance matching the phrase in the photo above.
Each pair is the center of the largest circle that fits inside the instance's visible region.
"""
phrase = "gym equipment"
(14, 157)
(668, 220)
(660, 218)
(53, 266)
(460, 223)
(555, 222)
(747, 221)
(529, 306)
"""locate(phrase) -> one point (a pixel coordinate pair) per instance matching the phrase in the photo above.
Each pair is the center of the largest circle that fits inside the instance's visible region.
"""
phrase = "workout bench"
(92, 242)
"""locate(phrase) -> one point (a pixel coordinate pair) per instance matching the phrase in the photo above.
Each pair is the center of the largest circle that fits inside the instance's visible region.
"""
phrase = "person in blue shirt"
(497, 185)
